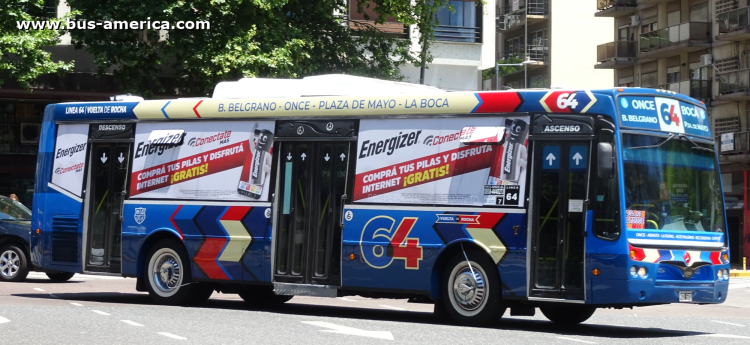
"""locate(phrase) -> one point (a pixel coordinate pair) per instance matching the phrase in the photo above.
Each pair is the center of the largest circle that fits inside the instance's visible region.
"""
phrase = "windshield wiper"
(670, 137)
(695, 145)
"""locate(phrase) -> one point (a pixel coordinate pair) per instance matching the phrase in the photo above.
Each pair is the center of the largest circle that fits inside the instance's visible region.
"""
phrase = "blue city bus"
(562, 200)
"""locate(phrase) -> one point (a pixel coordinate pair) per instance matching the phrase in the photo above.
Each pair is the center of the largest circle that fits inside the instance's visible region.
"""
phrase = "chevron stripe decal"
(239, 238)
(484, 234)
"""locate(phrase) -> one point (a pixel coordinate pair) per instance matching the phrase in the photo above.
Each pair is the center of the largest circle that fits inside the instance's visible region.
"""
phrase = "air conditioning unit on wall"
(635, 20)
(706, 59)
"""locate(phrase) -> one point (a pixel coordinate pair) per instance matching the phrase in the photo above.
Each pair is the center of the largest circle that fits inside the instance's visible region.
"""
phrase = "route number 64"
(567, 100)
(383, 240)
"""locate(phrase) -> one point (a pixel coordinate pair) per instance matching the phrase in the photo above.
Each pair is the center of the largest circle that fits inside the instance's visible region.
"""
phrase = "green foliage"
(22, 56)
(247, 38)
(503, 70)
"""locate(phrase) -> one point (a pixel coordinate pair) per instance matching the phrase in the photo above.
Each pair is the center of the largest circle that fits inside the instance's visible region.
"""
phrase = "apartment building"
(698, 48)
(558, 37)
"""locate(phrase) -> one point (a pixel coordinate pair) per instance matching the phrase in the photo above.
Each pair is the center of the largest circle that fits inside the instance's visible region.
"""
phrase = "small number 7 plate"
(686, 296)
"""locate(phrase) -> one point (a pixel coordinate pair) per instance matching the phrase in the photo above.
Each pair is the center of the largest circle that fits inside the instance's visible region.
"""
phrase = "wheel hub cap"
(9, 263)
(167, 272)
(469, 289)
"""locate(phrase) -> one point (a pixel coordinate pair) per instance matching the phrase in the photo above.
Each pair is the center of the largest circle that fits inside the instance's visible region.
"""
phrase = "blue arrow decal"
(165, 107)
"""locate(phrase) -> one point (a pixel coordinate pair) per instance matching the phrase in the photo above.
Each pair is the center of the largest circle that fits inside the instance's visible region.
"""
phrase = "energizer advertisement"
(441, 161)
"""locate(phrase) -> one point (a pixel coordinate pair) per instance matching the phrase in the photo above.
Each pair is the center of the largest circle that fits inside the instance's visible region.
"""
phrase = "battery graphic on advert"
(260, 165)
(511, 151)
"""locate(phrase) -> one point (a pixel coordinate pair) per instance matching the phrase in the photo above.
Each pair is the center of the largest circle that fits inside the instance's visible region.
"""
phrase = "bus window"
(606, 201)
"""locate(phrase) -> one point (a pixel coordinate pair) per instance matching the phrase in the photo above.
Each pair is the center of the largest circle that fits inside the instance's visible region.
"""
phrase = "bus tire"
(199, 293)
(567, 315)
(168, 273)
(262, 296)
(14, 267)
(60, 276)
(472, 299)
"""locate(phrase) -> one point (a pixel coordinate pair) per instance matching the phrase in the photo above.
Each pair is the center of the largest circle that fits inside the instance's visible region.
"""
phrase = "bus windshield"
(671, 183)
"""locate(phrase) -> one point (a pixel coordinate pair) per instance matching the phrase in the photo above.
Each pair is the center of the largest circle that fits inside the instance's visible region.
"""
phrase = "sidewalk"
(737, 271)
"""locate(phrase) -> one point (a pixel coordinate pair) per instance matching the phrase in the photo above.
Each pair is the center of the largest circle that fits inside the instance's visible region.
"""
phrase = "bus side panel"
(398, 249)
(224, 243)
(611, 259)
(52, 208)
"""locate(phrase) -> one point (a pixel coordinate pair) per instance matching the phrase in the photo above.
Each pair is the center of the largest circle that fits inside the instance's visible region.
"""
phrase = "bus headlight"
(642, 272)
(634, 271)
(720, 274)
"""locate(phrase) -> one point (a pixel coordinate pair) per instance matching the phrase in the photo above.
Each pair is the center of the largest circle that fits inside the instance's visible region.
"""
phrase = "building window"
(538, 45)
(626, 82)
(699, 13)
(648, 79)
(514, 47)
(673, 74)
(460, 25)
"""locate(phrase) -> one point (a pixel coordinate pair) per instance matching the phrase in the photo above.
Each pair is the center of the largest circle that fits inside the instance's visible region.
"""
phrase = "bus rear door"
(314, 173)
(561, 165)
(106, 184)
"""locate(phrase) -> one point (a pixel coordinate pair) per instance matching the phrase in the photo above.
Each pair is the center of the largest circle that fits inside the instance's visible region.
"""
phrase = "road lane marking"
(390, 307)
(578, 340)
(732, 336)
(100, 312)
(38, 289)
(334, 328)
(171, 335)
(346, 299)
(132, 323)
(77, 304)
(3, 320)
(728, 323)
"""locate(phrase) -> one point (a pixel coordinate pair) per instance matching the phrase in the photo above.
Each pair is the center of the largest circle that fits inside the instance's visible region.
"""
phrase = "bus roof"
(350, 96)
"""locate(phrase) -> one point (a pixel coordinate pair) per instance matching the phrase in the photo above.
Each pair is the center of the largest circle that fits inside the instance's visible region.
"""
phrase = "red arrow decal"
(195, 109)
(497, 102)
(207, 256)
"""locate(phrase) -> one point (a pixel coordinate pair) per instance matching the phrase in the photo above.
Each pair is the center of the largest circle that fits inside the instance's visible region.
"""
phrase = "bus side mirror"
(606, 160)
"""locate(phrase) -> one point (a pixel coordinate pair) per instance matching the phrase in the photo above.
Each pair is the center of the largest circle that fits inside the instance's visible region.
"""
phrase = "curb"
(739, 274)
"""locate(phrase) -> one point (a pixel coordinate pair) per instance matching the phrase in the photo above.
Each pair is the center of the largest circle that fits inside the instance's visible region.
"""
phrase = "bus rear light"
(38, 231)
(637, 254)
(595, 272)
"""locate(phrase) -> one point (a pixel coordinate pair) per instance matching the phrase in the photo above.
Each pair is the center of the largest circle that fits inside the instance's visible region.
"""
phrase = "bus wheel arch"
(167, 275)
(470, 291)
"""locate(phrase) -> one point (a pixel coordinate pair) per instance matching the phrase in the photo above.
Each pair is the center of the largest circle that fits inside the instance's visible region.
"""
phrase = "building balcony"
(649, 3)
(458, 34)
(676, 39)
(698, 89)
(734, 86)
(524, 12)
(395, 29)
(614, 8)
(616, 54)
(733, 25)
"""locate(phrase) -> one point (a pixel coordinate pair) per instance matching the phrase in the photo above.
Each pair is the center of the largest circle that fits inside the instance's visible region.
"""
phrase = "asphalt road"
(108, 310)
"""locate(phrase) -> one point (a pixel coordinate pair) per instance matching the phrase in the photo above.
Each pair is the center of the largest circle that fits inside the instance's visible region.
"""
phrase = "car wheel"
(14, 266)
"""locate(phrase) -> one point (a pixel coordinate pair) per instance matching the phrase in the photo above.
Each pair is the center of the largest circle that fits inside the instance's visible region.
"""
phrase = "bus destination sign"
(663, 114)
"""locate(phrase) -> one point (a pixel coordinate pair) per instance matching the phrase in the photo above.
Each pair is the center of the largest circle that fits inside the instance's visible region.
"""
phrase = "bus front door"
(561, 174)
(106, 190)
(312, 187)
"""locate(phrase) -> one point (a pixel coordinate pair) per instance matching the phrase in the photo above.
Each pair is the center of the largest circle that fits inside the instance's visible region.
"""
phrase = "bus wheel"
(263, 296)
(168, 274)
(13, 264)
(472, 294)
(568, 314)
(60, 276)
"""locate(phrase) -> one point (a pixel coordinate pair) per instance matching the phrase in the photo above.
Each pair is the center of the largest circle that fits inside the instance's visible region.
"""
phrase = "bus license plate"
(686, 296)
